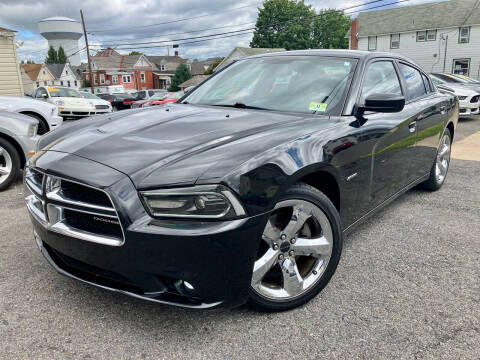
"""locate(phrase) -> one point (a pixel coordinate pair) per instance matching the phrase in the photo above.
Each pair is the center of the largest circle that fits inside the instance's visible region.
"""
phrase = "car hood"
(168, 144)
(464, 89)
(71, 101)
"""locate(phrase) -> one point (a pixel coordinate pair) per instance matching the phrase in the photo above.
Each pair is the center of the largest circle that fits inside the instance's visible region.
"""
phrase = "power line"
(177, 20)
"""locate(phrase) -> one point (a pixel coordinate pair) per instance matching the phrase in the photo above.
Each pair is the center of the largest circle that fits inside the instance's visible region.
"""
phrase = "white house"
(65, 76)
(10, 78)
(440, 37)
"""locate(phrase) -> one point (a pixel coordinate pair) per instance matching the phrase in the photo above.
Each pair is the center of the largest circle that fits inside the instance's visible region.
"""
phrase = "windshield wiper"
(241, 106)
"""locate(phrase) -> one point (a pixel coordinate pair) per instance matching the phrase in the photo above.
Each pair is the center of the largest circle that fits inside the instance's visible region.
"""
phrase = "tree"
(135, 53)
(283, 24)
(61, 57)
(212, 67)
(182, 74)
(52, 56)
(86, 83)
(329, 29)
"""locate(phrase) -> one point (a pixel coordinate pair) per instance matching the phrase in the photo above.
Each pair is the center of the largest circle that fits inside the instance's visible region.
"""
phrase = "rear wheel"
(299, 251)
(9, 164)
(439, 170)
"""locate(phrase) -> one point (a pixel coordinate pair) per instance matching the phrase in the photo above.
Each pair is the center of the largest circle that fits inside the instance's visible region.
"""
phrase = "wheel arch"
(451, 127)
(36, 115)
(17, 147)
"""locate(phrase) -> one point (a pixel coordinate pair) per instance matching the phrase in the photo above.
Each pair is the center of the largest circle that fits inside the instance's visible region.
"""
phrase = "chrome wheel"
(5, 165)
(443, 159)
(295, 251)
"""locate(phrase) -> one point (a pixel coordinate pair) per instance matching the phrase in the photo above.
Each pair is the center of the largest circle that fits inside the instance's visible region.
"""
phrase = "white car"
(101, 106)
(69, 101)
(468, 98)
(45, 113)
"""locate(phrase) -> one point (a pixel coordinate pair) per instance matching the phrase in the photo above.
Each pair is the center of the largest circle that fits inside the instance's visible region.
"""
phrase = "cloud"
(126, 17)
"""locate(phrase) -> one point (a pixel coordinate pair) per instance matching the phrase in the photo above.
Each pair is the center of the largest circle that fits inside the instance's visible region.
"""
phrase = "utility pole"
(88, 54)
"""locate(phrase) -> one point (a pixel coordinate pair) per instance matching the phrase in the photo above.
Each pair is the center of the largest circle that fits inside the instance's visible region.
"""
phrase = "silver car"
(18, 136)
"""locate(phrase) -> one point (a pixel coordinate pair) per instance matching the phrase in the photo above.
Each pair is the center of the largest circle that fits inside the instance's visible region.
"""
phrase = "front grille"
(463, 111)
(81, 113)
(475, 99)
(73, 209)
(99, 107)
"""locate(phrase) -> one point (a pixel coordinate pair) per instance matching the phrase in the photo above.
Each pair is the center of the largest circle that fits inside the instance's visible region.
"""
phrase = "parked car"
(460, 80)
(169, 98)
(101, 106)
(157, 95)
(119, 101)
(69, 101)
(18, 136)
(45, 113)
(469, 98)
(242, 190)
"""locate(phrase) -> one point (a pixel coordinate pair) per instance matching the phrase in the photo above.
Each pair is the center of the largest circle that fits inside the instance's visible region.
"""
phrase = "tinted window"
(381, 78)
(40, 92)
(428, 86)
(414, 81)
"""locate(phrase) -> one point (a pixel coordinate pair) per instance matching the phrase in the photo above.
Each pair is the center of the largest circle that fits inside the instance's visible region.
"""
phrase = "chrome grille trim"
(55, 202)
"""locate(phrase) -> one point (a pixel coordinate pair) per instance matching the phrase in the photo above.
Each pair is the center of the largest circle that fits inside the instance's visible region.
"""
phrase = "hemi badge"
(353, 176)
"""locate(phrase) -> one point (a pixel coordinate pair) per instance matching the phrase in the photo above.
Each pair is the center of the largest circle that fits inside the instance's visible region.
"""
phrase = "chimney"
(176, 52)
(353, 35)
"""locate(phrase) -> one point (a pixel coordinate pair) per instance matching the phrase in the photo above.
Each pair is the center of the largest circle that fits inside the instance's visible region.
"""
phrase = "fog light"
(188, 286)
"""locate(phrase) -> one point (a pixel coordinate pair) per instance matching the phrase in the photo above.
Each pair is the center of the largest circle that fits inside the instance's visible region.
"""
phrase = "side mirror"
(383, 103)
(44, 96)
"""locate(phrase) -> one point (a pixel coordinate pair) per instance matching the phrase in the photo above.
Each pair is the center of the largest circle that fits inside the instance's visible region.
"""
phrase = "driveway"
(407, 287)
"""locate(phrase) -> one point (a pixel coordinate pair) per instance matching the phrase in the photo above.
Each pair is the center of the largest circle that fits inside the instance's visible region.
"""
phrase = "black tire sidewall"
(432, 183)
(310, 194)
(15, 163)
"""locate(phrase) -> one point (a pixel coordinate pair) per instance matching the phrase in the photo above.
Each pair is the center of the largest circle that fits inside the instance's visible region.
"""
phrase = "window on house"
(102, 78)
(86, 77)
(394, 41)
(421, 36)
(464, 35)
(53, 82)
(43, 72)
(115, 79)
(142, 76)
(372, 43)
(461, 66)
(75, 82)
(95, 81)
(431, 35)
(413, 79)
(163, 68)
(45, 83)
(61, 82)
(126, 78)
(66, 72)
(68, 83)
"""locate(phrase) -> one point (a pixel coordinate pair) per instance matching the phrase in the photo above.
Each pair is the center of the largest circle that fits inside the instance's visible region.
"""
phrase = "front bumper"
(55, 122)
(76, 112)
(469, 108)
(156, 257)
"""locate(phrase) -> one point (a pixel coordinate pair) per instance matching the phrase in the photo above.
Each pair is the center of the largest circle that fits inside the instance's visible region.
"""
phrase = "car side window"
(414, 81)
(40, 92)
(427, 84)
(151, 93)
(380, 78)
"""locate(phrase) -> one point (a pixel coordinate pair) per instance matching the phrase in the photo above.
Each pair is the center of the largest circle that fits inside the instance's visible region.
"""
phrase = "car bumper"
(28, 144)
(55, 122)
(468, 108)
(156, 257)
(76, 112)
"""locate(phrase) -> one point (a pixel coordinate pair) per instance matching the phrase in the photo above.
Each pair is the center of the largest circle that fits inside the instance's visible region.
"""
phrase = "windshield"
(466, 79)
(158, 96)
(175, 95)
(307, 84)
(87, 95)
(63, 92)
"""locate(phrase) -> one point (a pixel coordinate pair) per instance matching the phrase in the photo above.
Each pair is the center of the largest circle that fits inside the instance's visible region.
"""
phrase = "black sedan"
(119, 101)
(244, 189)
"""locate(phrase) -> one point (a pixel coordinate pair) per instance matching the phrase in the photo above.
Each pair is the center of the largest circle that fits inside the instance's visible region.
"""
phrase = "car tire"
(114, 108)
(42, 124)
(439, 170)
(306, 222)
(9, 164)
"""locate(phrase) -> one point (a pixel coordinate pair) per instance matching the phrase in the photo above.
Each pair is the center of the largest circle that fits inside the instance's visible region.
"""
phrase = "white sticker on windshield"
(317, 106)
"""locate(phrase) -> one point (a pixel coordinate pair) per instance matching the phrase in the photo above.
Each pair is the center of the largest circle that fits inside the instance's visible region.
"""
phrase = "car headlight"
(32, 130)
(200, 202)
(462, 97)
(60, 102)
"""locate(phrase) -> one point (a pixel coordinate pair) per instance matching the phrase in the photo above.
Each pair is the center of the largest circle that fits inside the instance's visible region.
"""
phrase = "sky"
(126, 21)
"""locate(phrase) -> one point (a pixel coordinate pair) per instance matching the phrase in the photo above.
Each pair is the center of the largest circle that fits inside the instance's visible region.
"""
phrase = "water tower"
(64, 32)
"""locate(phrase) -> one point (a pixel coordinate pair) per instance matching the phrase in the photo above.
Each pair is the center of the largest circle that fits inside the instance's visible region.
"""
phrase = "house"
(10, 77)
(193, 81)
(440, 36)
(65, 75)
(134, 72)
(35, 75)
(242, 52)
(166, 67)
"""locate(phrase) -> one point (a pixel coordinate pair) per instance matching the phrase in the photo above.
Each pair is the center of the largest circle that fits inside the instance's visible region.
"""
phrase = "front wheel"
(9, 164)
(299, 251)
(439, 170)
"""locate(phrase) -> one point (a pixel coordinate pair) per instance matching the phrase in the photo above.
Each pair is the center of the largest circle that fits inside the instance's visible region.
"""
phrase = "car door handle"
(412, 126)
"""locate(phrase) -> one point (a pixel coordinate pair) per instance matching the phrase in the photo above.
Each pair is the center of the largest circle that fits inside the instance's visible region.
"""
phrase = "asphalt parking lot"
(407, 287)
